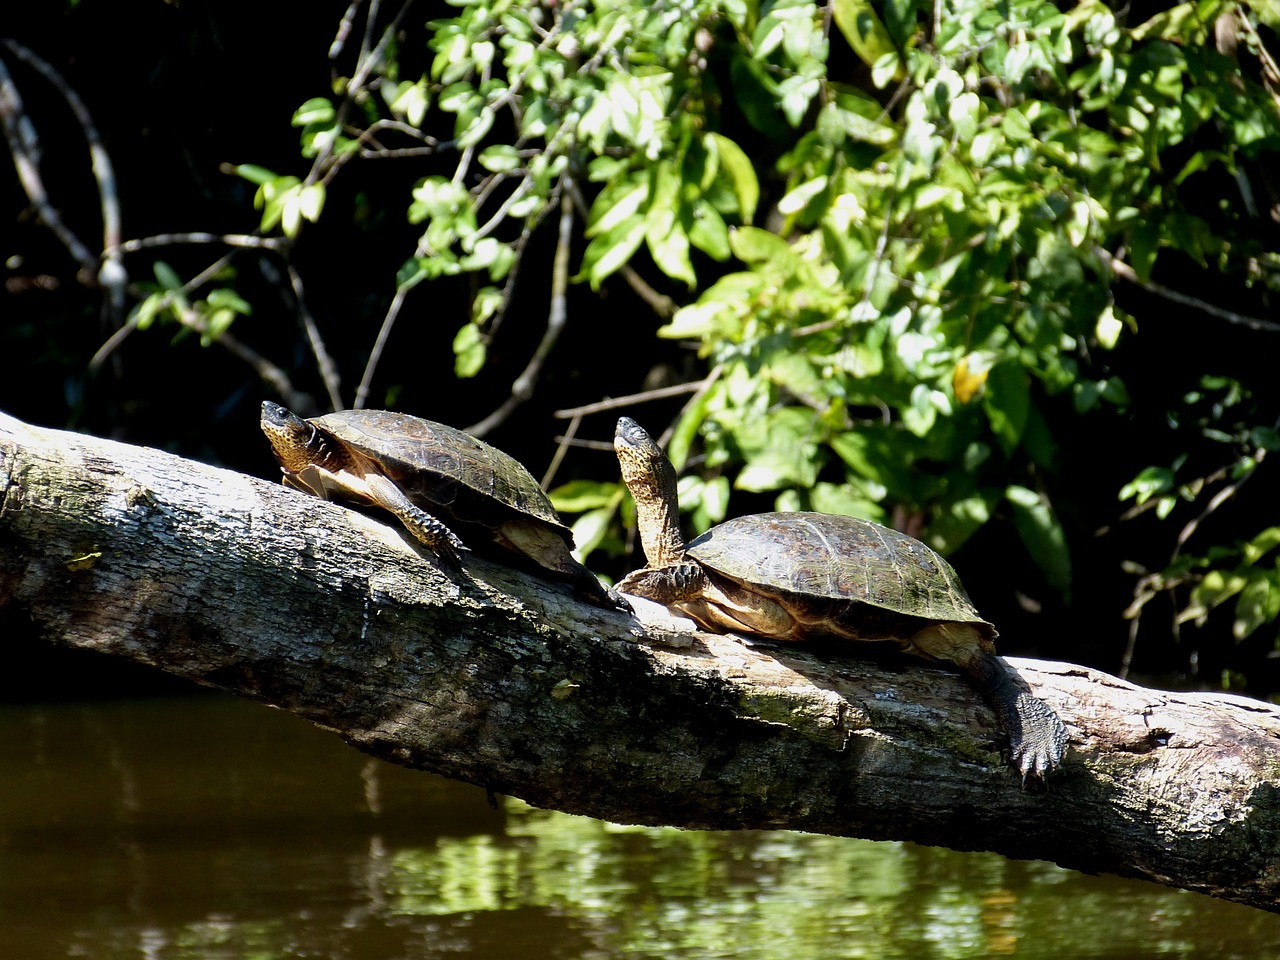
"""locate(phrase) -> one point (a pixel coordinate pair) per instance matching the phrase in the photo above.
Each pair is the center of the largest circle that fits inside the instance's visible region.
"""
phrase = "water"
(208, 827)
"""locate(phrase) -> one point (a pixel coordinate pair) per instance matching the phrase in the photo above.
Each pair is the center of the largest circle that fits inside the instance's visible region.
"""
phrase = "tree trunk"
(497, 678)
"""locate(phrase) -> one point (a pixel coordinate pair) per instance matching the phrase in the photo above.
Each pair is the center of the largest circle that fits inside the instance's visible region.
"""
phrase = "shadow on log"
(507, 681)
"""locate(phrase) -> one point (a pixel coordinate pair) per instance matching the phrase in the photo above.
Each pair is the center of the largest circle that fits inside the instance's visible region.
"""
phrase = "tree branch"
(493, 677)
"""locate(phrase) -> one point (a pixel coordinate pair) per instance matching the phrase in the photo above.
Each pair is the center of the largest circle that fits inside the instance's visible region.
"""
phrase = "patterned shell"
(822, 555)
(425, 458)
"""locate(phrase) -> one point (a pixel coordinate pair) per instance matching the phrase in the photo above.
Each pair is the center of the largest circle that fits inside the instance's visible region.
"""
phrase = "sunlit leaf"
(500, 158)
(1259, 603)
(590, 530)
(469, 351)
(864, 32)
(1042, 535)
(1150, 482)
(741, 173)
(610, 250)
(577, 496)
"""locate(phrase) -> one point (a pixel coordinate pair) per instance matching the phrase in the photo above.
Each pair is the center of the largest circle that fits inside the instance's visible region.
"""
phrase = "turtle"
(441, 483)
(801, 575)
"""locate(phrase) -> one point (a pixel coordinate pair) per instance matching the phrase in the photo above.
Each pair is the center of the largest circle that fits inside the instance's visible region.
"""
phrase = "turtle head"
(294, 441)
(651, 479)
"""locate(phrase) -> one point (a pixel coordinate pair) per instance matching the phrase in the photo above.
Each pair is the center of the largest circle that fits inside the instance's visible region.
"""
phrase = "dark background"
(178, 90)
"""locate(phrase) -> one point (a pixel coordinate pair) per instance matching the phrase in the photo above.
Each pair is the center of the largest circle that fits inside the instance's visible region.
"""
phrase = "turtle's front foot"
(619, 602)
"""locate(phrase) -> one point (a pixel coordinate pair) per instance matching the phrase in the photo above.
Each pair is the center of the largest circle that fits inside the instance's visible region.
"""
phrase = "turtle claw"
(1037, 738)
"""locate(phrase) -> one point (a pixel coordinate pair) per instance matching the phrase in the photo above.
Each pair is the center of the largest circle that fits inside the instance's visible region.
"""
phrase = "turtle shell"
(837, 558)
(435, 462)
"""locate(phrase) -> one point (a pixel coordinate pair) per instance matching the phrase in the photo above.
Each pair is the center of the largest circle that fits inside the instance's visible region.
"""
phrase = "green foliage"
(942, 271)
(897, 230)
(168, 300)
(1242, 576)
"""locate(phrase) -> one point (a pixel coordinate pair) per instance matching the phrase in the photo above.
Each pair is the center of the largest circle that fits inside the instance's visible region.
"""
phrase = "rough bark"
(498, 678)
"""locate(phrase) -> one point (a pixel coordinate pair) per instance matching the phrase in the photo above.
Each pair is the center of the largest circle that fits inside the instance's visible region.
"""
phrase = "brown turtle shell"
(837, 558)
(435, 463)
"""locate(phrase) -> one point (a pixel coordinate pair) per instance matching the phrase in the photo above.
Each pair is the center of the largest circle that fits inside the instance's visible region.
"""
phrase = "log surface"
(492, 676)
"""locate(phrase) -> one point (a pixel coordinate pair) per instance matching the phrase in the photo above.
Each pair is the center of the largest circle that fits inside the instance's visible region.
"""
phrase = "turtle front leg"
(669, 585)
(417, 521)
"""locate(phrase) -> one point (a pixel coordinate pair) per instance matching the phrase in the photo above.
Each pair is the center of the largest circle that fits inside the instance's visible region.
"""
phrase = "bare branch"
(384, 335)
(523, 386)
(324, 362)
(1126, 272)
(24, 146)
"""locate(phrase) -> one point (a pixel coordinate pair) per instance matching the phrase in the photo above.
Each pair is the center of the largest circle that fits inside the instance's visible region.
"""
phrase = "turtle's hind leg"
(1037, 736)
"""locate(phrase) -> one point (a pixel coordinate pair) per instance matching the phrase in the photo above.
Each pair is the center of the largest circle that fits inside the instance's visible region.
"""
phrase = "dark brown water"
(208, 827)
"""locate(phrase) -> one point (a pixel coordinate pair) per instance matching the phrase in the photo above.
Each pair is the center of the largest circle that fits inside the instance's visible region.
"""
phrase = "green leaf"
(1265, 438)
(500, 158)
(843, 499)
(590, 530)
(166, 276)
(409, 100)
(487, 302)
(738, 168)
(753, 245)
(865, 33)
(671, 254)
(228, 299)
(1108, 328)
(619, 201)
(469, 351)
(1259, 604)
(1150, 482)
(610, 250)
(1007, 403)
(706, 501)
(254, 173)
(1261, 544)
(956, 522)
(317, 110)
(1042, 535)
(145, 313)
(577, 496)
(708, 232)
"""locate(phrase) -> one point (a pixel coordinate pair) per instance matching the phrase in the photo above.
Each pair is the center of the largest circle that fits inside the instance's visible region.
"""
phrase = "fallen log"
(495, 677)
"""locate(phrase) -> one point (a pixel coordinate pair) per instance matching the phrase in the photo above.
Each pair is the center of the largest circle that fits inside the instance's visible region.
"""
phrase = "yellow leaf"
(967, 381)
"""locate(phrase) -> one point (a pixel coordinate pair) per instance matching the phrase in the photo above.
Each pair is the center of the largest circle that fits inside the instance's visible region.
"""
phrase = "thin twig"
(557, 315)
(24, 146)
(563, 443)
(1126, 272)
(384, 334)
(324, 362)
(615, 403)
(275, 244)
(111, 273)
(344, 30)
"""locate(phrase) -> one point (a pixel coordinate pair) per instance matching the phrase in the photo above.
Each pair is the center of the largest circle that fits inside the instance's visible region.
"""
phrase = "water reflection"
(208, 827)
